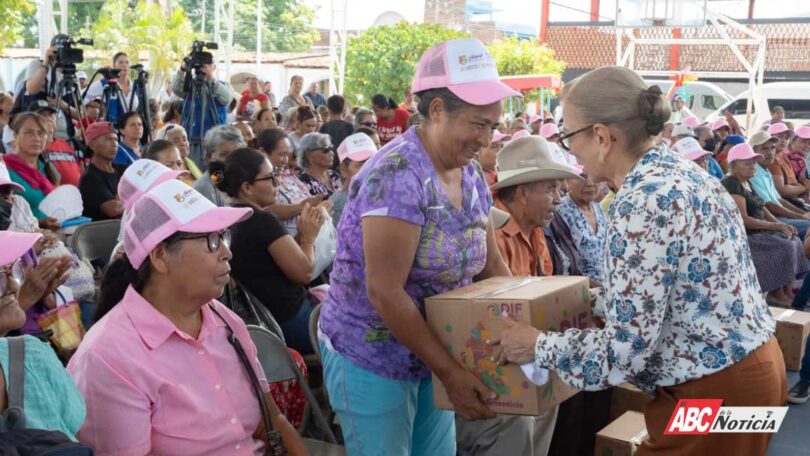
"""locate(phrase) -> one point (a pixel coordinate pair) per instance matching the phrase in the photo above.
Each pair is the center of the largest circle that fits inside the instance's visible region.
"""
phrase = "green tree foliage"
(383, 60)
(14, 14)
(144, 27)
(516, 57)
(286, 24)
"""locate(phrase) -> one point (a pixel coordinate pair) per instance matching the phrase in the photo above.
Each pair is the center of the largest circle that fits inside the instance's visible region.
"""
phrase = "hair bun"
(654, 109)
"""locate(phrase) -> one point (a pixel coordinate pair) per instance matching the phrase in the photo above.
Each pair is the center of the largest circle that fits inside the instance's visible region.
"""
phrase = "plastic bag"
(325, 246)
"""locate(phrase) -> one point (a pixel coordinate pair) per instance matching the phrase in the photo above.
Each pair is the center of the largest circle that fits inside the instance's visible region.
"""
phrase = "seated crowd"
(275, 179)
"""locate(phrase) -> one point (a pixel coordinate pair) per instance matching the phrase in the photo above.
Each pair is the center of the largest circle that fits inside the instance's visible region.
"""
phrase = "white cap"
(81, 75)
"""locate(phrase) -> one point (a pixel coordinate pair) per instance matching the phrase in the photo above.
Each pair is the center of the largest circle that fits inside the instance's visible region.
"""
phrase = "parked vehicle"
(702, 98)
(794, 97)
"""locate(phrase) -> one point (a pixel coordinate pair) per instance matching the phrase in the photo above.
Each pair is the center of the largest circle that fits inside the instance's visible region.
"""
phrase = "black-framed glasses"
(215, 239)
(273, 178)
(565, 139)
(369, 124)
(15, 271)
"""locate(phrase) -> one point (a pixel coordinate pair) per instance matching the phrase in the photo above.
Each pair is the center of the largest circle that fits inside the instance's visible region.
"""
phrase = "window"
(794, 109)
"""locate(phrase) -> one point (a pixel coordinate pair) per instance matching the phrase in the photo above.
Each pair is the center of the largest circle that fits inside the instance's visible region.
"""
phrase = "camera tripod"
(139, 90)
(199, 107)
(68, 89)
(113, 102)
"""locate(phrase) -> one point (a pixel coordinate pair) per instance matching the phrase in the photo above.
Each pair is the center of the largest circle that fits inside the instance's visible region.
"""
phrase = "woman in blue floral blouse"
(684, 314)
(587, 222)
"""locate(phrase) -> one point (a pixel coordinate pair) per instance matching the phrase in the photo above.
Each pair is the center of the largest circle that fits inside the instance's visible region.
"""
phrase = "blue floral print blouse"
(590, 244)
(681, 295)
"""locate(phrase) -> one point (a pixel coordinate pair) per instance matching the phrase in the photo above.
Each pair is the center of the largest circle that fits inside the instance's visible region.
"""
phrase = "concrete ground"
(793, 438)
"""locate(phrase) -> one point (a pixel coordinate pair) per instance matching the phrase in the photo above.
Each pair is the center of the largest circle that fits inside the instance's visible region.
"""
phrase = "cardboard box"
(466, 318)
(792, 328)
(621, 437)
(627, 397)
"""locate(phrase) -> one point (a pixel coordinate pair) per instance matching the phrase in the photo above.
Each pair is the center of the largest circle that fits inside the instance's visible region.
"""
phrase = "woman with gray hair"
(365, 118)
(217, 144)
(315, 157)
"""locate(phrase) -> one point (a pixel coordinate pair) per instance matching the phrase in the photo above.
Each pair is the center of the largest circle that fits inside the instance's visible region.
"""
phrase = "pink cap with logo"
(5, 178)
(357, 147)
(169, 208)
(466, 68)
(803, 132)
(690, 149)
(742, 152)
(548, 130)
(142, 175)
(778, 127)
(692, 122)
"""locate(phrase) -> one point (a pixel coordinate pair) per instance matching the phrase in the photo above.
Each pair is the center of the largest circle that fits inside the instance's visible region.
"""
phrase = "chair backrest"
(95, 240)
(251, 310)
(272, 354)
(313, 328)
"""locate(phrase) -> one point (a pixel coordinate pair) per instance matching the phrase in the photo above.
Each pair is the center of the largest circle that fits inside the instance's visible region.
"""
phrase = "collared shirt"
(400, 182)
(763, 185)
(151, 388)
(524, 256)
(681, 295)
(782, 168)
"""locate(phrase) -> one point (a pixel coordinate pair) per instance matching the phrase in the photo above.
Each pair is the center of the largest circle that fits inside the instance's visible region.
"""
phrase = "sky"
(362, 13)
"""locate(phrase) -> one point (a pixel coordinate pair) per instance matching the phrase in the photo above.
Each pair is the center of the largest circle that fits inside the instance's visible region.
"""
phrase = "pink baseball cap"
(357, 147)
(140, 177)
(5, 178)
(498, 137)
(778, 127)
(720, 123)
(692, 122)
(466, 68)
(690, 149)
(548, 130)
(534, 118)
(13, 245)
(742, 152)
(169, 208)
(803, 132)
(520, 134)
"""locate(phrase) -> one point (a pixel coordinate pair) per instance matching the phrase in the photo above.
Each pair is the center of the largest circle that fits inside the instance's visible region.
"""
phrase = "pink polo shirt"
(151, 388)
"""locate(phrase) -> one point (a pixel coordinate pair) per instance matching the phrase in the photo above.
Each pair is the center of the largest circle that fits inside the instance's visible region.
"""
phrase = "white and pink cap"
(466, 68)
(690, 149)
(5, 178)
(548, 130)
(498, 137)
(14, 245)
(720, 123)
(742, 152)
(142, 175)
(803, 132)
(357, 147)
(169, 208)
(778, 127)
(692, 122)
(520, 134)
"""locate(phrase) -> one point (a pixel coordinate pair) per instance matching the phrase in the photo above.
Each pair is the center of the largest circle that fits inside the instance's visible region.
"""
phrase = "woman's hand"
(49, 223)
(518, 342)
(785, 229)
(47, 241)
(309, 223)
(467, 393)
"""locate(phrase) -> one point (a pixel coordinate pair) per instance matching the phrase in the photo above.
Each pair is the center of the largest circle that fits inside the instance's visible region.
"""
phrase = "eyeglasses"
(215, 239)
(273, 178)
(13, 271)
(565, 140)
(369, 124)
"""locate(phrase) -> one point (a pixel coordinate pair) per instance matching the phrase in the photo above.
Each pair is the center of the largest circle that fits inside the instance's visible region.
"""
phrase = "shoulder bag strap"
(14, 414)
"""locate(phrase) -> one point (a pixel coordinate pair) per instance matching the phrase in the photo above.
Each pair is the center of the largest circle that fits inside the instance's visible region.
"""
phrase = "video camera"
(139, 68)
(110, 74)
(67, 56)
(199, 56)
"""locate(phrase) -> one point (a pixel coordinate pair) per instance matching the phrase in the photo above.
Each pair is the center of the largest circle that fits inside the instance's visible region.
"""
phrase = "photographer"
(202, 117)
(116, 107)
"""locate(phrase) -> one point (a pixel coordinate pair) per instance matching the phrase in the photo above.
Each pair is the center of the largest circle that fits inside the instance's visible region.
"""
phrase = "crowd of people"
(689, 229)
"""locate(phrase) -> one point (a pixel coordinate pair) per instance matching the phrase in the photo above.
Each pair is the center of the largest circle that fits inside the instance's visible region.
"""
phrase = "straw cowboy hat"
(527, 160)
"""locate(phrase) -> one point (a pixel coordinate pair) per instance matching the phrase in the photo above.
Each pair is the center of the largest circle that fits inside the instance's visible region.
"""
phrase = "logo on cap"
(179, 197)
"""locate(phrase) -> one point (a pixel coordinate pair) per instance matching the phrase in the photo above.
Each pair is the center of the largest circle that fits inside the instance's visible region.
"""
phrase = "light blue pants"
(380, 416)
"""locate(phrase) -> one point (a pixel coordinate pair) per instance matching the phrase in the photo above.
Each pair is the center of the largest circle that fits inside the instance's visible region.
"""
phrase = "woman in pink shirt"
(157, 371)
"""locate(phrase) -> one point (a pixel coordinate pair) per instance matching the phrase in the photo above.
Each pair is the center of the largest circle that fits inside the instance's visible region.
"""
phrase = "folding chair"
(278, 366)
(95, 240)
(313, 329)
(250, 309)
